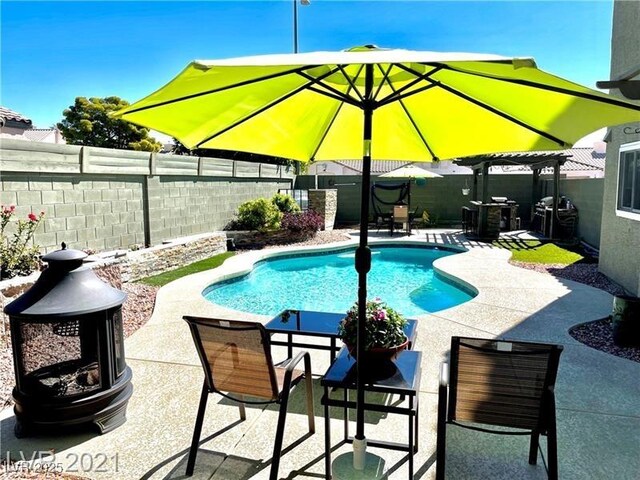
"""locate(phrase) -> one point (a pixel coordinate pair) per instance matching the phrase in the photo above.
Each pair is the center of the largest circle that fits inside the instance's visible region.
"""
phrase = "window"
(629, 178)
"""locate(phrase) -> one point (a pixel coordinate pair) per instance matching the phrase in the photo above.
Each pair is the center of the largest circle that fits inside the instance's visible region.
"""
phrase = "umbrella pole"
(363, 265)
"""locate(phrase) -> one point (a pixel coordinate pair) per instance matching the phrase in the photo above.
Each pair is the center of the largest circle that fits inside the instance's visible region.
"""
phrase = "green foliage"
(384, 327)
(87, 122)
(285, 203)
(17, 257)
(260, 214)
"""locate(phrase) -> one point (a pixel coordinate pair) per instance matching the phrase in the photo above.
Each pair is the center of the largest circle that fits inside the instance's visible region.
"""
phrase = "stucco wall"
(620, 237)
(586, 195)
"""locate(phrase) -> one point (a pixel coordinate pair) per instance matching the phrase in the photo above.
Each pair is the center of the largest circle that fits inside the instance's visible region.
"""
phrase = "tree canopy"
(87, 122)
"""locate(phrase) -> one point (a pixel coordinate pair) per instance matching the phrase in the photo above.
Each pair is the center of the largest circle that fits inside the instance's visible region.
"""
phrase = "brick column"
(325, 203)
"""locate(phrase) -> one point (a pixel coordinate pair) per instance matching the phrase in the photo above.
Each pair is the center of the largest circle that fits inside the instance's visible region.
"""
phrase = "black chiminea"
(68, 349)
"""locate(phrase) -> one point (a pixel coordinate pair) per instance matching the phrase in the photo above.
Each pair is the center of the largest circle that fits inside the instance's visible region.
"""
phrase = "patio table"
(400, 376)
(317, 324)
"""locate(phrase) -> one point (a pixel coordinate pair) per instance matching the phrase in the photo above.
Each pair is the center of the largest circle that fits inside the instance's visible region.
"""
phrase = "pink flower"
(12, 208)
(32, 217)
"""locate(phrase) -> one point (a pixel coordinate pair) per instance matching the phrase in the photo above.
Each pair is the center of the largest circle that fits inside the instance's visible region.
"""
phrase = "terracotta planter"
(379, 355)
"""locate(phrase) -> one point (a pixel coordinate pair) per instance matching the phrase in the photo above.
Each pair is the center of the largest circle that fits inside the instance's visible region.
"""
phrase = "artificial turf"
(202, 265)
(533, 251)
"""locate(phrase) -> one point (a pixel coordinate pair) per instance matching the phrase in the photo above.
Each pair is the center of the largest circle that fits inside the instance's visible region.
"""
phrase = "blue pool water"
(402, 276)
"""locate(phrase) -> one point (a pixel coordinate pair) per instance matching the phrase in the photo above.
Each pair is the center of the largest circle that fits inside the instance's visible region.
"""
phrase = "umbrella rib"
(495, 111)
(541, 86)
(398, 95)
(326, 131)
(350, 81)
(385, 76)
(348, 100)
(340, 105)
(262, 109)
(221, 89)
(332, 92)
(415, 126)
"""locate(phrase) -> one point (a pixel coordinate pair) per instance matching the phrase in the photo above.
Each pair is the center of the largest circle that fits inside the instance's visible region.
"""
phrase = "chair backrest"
(235, 356)
(501, 382)
(400, 213)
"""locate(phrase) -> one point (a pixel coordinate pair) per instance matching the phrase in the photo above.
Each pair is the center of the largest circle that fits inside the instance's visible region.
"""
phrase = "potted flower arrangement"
(384, 331)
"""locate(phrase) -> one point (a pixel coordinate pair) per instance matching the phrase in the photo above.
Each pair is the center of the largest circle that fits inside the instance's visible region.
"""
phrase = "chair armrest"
(292, 364)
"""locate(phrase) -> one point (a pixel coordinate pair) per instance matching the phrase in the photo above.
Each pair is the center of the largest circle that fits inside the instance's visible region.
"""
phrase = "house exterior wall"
(620, 236)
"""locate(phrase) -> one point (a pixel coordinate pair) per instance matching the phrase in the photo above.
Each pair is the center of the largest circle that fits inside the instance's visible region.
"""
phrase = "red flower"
(32, 217)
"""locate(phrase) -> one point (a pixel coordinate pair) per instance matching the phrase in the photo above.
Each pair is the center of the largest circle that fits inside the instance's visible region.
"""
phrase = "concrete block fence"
(107, 199)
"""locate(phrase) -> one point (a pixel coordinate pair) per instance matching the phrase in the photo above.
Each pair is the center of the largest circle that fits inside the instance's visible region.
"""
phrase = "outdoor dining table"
(400, 376)
(317, 324)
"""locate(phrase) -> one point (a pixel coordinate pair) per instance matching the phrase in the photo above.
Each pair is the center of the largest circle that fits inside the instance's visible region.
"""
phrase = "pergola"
(536, 161)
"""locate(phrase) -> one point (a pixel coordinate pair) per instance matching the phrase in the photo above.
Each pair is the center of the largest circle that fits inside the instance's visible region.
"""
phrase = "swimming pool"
(402, 276)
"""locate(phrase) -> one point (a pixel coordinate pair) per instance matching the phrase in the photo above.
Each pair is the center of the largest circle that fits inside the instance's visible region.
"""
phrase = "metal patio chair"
(500, 383)
(237, 363)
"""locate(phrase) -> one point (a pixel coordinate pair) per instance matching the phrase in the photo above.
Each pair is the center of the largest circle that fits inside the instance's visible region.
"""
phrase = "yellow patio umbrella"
(410, 172)
(376, 103)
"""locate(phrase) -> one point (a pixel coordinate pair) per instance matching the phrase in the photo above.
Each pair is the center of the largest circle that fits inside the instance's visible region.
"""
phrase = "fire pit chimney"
(68, 349)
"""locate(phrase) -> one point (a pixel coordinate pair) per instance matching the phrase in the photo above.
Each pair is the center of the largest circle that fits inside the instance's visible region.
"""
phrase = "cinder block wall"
(441, 197)
(86, 211)
(107, 199)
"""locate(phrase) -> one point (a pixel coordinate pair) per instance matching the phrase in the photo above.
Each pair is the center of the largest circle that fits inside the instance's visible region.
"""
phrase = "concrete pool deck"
(598, 395)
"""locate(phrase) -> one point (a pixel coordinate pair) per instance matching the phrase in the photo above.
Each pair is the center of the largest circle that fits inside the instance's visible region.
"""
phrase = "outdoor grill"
(68, 349)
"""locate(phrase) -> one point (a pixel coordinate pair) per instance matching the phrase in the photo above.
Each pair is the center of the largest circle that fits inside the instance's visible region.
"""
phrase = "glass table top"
(323, 324)
(399, 375)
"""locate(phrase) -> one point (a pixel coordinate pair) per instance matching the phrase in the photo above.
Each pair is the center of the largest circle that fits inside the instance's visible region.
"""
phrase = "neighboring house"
(582, 163)
(18, 127)
(620, 234)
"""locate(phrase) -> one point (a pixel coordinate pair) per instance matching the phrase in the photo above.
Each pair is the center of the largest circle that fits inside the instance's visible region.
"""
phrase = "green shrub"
(260, 214)
(285, 203)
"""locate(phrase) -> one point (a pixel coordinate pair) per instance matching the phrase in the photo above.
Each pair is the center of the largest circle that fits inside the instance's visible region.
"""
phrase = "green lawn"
(533, 251)
(202, 265)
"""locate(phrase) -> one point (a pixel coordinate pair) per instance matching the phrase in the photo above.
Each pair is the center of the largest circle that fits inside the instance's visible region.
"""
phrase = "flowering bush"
(302, 222)
(17, 257)
(384, 327)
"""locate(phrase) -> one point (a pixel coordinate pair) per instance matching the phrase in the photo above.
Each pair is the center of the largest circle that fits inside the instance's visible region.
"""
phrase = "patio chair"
(400, 215)
(504, 384)
(236, 358)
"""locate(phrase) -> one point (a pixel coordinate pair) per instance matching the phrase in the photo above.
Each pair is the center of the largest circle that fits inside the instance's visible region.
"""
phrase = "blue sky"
(52, 52)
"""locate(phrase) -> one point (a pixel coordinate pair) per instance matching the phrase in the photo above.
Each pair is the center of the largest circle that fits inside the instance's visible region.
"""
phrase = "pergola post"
(474, 191)
(485, 182)
(556, 190)
(535, 192)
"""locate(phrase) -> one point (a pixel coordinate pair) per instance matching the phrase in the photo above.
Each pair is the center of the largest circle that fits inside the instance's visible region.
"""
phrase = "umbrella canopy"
(426, 106)
(410, 171)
